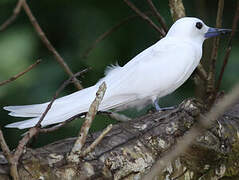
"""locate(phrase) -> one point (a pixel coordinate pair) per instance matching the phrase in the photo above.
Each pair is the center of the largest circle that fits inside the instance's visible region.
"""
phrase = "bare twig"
(177, 9)
(96, 141)
(58, 126)
(5, 149)
(204, 122)
(53, 128)
(48, 44)
(107, 33)
(57, 94)
(158, 16)
(210, 89)
(77, 148)
(225, 61)
(12, 18)
(145, 17)
(113, 115)
(116, 116)
(119, 117)
(21, 73)
(228, 51)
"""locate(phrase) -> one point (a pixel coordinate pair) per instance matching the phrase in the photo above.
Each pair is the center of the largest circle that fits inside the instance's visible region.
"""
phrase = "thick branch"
(210, 89)
(177, 9)
(130, 149)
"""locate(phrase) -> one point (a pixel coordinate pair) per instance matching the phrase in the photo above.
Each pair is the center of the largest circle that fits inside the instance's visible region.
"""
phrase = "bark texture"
(129, 150)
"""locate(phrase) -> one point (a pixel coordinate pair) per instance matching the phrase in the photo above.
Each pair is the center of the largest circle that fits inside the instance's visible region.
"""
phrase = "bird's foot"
(158, 108)
(167, 108)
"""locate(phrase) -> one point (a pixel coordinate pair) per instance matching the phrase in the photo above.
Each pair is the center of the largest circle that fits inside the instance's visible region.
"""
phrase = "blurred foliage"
(72, 26)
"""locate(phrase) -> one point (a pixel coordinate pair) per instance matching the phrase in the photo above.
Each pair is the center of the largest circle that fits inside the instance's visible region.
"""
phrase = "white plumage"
(155, 72)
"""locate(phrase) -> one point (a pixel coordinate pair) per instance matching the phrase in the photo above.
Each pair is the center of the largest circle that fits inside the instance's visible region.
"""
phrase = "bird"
(155, 72)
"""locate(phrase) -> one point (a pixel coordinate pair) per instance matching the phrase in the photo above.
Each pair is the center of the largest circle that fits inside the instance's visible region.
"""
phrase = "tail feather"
(17, 114)
(65, 107)
(23, 124)
(28, 110)
(61, 110)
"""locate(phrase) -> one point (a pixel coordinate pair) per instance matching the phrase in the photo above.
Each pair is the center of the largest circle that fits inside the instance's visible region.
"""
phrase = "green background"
(72, 27)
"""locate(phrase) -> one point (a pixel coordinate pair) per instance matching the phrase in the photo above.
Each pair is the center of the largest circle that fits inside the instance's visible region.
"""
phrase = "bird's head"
(194, 29)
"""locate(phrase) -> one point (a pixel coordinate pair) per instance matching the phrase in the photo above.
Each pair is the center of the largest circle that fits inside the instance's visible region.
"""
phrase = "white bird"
(154, 73)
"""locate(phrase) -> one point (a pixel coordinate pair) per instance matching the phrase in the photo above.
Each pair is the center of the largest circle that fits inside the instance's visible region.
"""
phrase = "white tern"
(154, 73)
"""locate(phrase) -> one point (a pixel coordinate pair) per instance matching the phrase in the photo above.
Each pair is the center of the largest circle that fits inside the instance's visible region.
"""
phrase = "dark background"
(72, 26)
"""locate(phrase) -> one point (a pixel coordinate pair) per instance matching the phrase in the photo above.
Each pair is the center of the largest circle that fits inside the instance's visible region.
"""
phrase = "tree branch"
(96, 141)
(13, 17)
(130, 149)
(177, 9)
(201, 72)
(5, 149)
(210, 88)
(229, 48)
(107, 33)
(145, 17)
(21, 73)
(48, 44)
(80, 142)
(204, 123)
(158, 16)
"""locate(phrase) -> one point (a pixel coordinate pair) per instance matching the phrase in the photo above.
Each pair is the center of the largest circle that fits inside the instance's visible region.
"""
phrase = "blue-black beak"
(216, 32)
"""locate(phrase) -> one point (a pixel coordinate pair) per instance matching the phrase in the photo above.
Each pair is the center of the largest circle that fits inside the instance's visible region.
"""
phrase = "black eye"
(199, 25)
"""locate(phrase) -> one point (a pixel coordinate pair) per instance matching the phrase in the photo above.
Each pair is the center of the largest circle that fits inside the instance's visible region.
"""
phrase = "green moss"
(232, 163)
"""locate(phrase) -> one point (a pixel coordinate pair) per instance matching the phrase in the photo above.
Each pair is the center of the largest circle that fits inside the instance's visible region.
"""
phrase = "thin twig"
(5, 149)
(210, 89)
(113, 115)
(158, 16)
(203, 123)
(119, 117)
(20, 74)
(116, 116)
(225, 61)
(96, 141)
(229, 48)
(53, 128)
(12, 18)
(145, 17)
(48, 44)
(56, 95)
(79, 143)
(107, 33)
(33, 131)
(58, 126)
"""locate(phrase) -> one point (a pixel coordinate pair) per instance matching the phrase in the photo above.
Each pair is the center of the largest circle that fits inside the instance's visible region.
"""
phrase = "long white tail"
(67, 107)
(61, 110)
